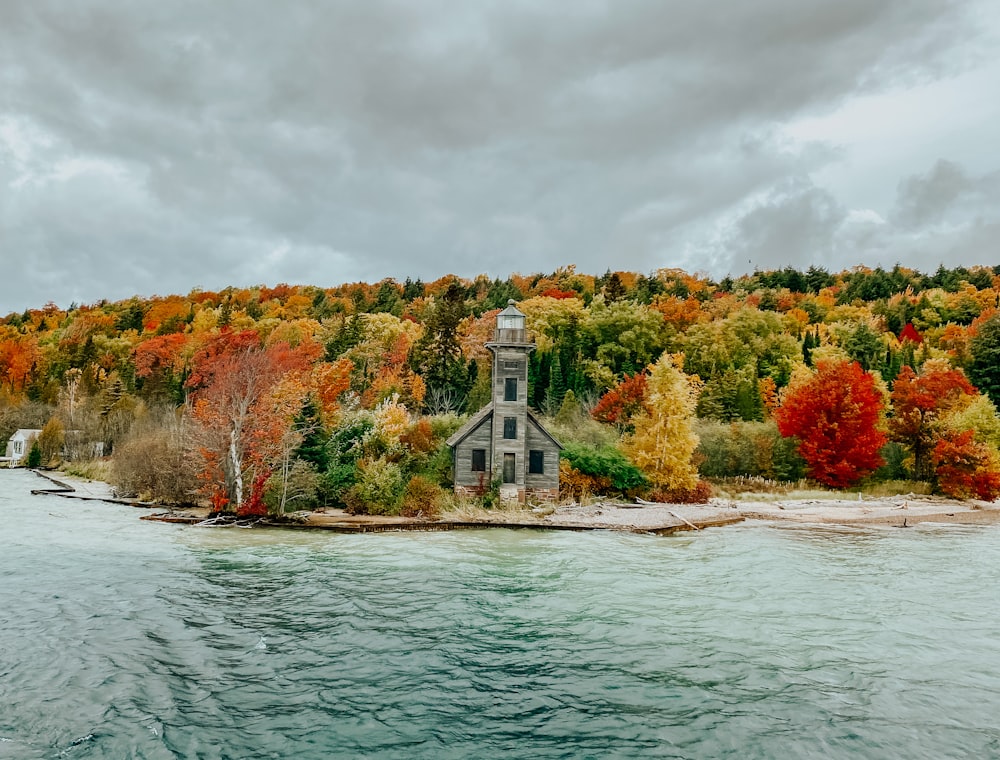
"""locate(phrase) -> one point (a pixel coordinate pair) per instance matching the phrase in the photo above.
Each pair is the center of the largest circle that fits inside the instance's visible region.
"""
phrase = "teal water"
(126, 639)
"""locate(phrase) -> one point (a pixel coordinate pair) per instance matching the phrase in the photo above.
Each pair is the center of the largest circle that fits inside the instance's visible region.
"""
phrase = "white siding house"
(18, 446)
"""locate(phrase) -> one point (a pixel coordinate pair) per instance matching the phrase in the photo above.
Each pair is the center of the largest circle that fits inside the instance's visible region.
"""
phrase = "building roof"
(25, 433)
(485, 413)
(511, 310)
(475, 421)
(540, 426)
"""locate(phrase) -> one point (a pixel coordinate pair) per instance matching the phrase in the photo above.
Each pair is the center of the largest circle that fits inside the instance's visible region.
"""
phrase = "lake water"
(128, 639)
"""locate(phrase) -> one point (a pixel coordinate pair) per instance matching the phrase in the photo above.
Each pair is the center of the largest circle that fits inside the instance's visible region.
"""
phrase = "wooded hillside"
(288, 397)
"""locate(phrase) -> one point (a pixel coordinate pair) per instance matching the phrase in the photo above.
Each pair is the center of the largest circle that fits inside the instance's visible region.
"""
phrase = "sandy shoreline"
(895, 511)
(899, 511)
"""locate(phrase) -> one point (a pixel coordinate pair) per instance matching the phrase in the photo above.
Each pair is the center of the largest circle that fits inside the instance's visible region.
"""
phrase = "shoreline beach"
(896, 511)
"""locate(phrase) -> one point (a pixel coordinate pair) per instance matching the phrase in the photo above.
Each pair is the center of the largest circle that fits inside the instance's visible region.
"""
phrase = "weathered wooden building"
(504, 439)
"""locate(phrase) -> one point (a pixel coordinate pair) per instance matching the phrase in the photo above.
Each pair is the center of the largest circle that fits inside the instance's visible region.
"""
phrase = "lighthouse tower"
(510, 349)
(505, 441)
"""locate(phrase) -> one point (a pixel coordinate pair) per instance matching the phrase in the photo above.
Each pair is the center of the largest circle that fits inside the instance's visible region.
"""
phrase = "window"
(479, 460)
(510, 389)
(510, 427)
(512, 365)
(536, 462)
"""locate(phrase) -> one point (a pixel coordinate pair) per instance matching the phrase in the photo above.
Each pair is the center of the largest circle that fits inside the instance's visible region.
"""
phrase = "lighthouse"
(505, 441)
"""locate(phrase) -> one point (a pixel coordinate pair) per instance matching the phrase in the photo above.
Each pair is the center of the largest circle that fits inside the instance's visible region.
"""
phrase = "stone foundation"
(520, 495)
(543, 494)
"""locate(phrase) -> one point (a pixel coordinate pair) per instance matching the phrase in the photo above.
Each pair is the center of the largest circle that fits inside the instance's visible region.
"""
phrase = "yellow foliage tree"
(664, 438)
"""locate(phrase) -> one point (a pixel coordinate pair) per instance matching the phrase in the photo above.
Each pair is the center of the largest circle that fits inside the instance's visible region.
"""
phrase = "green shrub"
(491, 495)
(299, 490)
(895, 456)
(378, 490)
(605, 462)
(754, 449)
(34, 455)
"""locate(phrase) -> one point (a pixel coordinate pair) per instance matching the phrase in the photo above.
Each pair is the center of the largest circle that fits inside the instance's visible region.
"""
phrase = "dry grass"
(94, 469)
(898, 488)
(463, 508)
(746, 488)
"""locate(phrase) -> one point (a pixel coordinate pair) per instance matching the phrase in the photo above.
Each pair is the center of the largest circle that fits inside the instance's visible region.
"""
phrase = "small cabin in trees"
(504, 440)
(18, 445)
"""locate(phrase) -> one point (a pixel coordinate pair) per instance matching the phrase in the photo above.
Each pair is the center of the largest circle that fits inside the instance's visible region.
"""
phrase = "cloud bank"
(151, 148)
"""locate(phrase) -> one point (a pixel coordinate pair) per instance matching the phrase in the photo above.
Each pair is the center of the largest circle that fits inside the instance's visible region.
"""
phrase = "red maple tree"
(966, 467)
(244, 397)
(620, 404)
(835, 415)
(918, 402)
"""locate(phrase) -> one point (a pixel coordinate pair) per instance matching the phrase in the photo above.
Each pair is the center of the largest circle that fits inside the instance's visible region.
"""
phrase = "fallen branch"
(683, 520)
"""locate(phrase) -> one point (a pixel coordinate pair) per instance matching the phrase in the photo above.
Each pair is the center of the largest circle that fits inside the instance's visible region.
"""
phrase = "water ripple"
(123, 639)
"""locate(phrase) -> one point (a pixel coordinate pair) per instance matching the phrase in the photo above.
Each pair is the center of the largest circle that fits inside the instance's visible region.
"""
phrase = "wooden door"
(509, 475)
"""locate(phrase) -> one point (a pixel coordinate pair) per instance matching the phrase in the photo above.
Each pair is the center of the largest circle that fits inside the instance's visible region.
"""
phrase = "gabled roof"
(484, 414)
(476, 420)
(25, 433)
(541, 427)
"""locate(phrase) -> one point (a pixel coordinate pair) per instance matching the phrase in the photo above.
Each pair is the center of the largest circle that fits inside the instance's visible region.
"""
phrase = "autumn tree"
(966, 468)
(154, 462)
(51, 440)
(919, 401)
(619, 405)
(160, 364)
(241, 419)
(18, 359)
(664, 438)
(835, 413)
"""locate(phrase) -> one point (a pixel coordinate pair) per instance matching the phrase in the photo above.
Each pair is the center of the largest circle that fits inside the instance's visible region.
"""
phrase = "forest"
(271, 400)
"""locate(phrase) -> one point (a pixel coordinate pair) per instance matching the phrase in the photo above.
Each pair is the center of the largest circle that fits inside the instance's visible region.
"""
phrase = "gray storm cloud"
(157, 147)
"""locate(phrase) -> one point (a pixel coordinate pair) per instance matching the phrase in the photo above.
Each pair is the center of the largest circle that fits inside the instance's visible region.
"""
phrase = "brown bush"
(422, 499)
(700, 494)
(577, 485)
(154, 467)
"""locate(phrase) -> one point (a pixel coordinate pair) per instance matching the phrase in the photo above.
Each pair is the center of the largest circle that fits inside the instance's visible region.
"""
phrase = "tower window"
(536, 462)
(510, 427)
(479, 460)
(510, 389)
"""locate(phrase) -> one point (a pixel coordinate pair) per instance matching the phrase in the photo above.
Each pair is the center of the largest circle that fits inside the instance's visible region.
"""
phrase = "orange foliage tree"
(966, 467)
(160, 361)
(680, 312)
(620, 404)
(244, 397)
(918, 403)
(835, 414)
(18, 358)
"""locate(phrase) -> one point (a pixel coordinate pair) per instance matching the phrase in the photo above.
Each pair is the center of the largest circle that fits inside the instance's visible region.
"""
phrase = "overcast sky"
(155, 147)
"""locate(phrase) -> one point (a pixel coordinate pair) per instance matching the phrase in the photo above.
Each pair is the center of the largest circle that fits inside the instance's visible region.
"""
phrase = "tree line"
(272, 399)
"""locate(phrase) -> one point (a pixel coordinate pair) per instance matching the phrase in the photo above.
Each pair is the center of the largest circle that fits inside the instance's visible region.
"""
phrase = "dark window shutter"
(479, 460)
(536, 462)
(510, 427)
